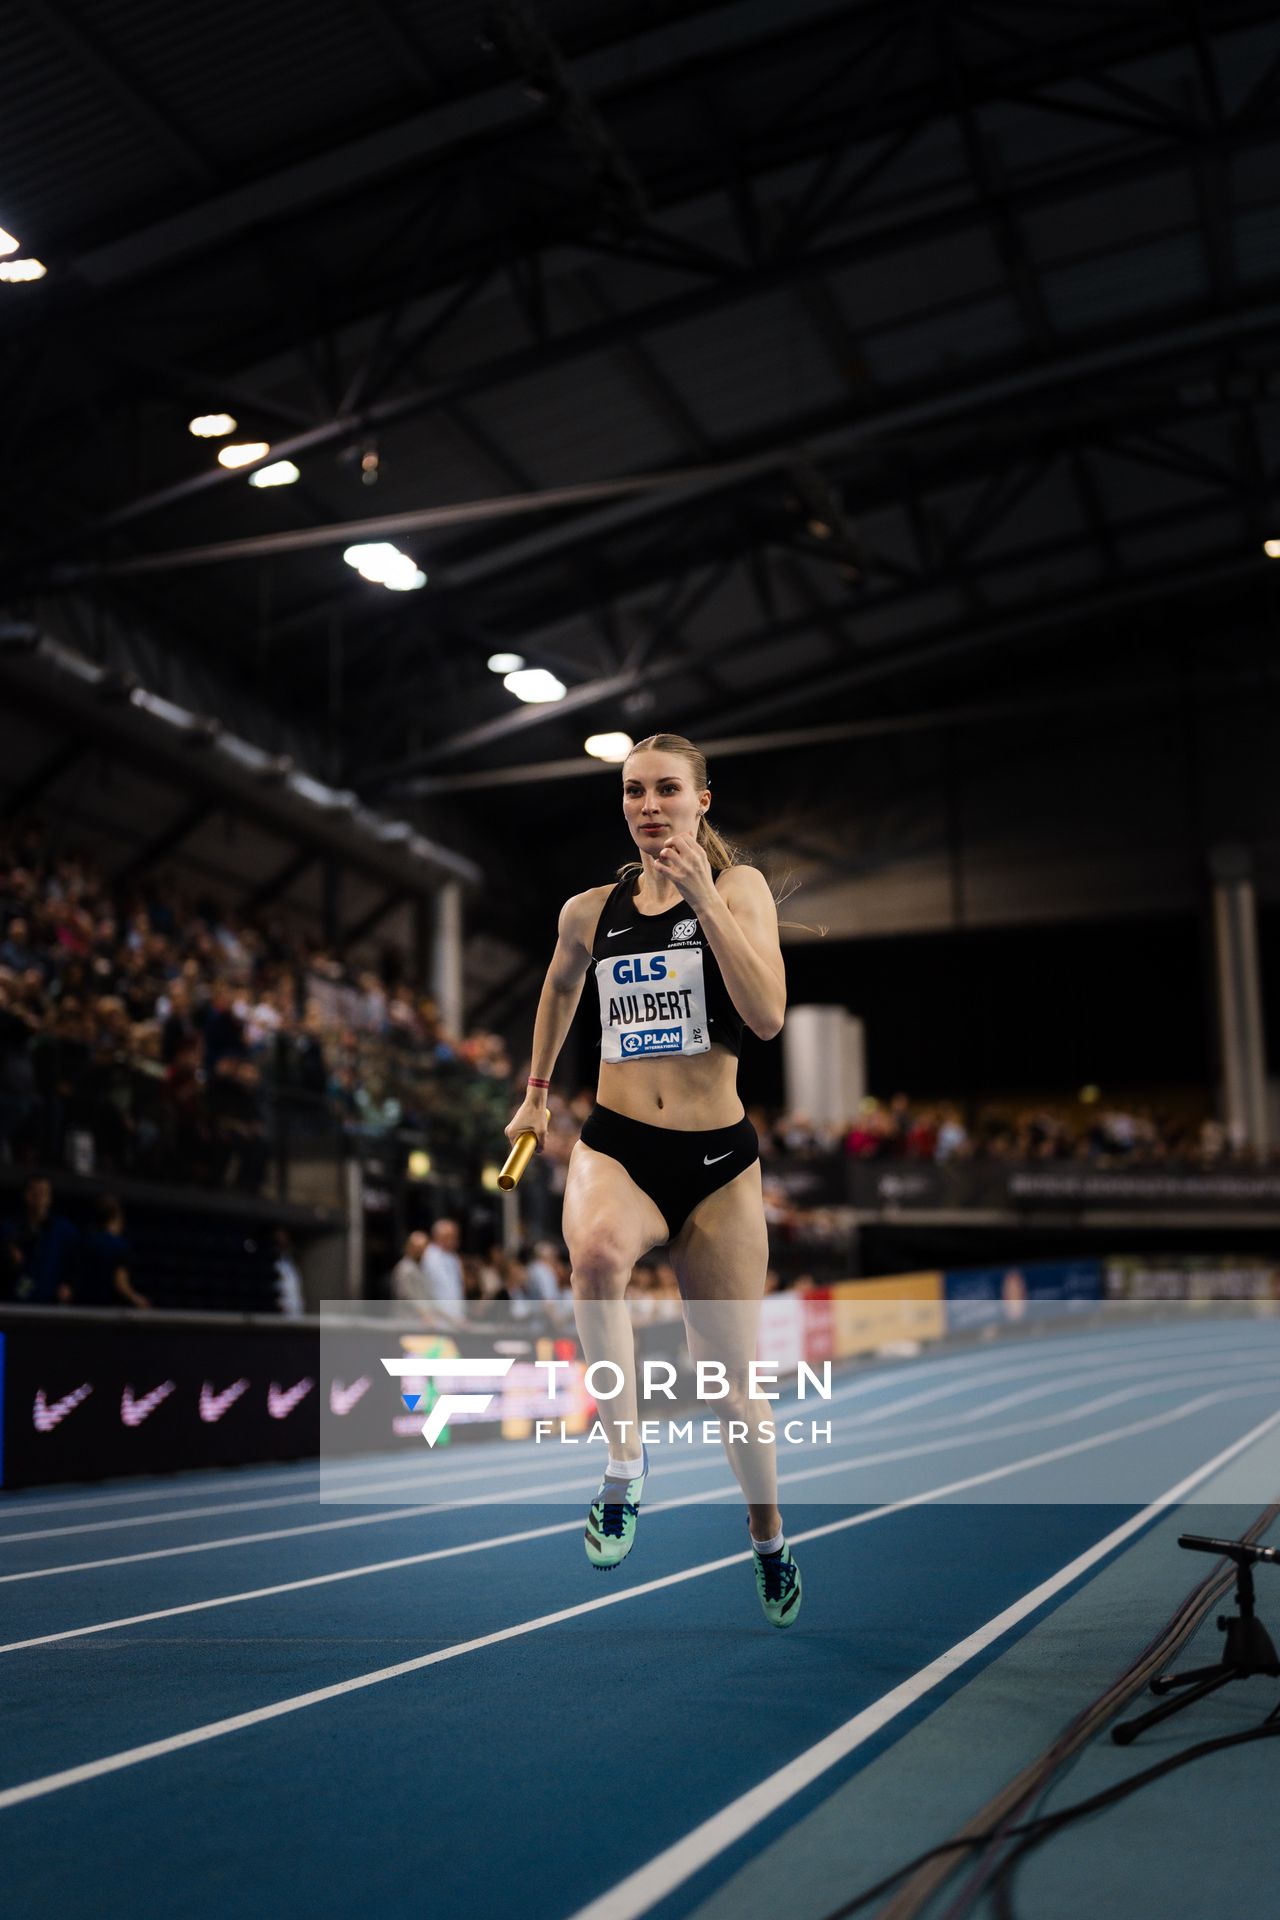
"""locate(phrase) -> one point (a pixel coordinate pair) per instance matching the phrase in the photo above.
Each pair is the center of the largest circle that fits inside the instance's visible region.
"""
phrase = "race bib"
(651, 1004)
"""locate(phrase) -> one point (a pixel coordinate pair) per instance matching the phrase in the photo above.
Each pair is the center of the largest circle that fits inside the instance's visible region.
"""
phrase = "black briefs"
(674, 1167)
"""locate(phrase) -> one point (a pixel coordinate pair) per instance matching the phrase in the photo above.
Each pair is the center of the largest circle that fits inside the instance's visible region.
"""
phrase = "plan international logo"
(447, 1404)
(652, 1040)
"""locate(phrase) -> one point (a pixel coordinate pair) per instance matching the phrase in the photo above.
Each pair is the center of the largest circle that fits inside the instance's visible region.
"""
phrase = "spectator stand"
(184, 1248)
(230, 1008)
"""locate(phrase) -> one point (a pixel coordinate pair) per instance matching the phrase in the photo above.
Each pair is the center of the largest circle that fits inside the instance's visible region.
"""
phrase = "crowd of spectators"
(898, 1130)
(159, 1034)
(46, 1260)
(49, 1259)
(156, 1033)
(806, 1195)
(433, 1271)
(1083, 1130)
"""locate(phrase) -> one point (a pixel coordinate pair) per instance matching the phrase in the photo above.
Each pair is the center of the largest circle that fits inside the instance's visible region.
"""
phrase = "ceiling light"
(14, 270)
(281, 473)
(534, 685)
(505, 662)
(243, 453)
(608, 746)
(371, 557)
(7, 243)
(1272, 549)
(211, 426)
(386, 566)
(819, 529)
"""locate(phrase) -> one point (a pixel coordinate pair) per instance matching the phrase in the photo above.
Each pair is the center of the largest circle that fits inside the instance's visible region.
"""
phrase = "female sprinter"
(685, 953)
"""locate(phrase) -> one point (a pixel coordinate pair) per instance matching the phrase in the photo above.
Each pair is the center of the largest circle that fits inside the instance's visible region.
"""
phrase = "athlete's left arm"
(740, 922)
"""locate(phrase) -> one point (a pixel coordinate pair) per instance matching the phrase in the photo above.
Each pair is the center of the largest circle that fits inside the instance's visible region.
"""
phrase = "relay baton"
(517, 1160)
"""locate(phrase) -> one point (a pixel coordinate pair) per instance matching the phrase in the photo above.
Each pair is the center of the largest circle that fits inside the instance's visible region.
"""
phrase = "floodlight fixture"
(385, 565)
(505, 662)
(14, 271)
(212, 426)
(1272, 549)
(613, 747)
(243, 453)
(281, 473)
(534, 685)
(7, 243)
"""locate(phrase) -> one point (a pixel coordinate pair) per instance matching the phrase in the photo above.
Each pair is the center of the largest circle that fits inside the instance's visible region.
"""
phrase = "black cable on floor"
(1034, 1831)
(1031, 1785)
(1044, 1828)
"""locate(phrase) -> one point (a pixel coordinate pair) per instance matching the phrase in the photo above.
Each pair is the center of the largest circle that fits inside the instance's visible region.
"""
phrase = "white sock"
(624, 1469)
(769, 1546)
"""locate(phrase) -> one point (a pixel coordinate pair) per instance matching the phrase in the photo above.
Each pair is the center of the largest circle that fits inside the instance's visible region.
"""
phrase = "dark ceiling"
(753, 366)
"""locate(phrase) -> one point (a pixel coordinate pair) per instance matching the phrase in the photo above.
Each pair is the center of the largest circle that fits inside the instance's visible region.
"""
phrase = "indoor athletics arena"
(639, 959)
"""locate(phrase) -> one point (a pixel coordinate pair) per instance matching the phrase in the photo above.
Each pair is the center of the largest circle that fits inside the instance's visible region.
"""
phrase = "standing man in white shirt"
(407, 1278)
(441, 1263)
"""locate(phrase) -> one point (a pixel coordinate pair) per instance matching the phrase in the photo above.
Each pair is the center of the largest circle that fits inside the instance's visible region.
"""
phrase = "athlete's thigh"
(721, 1258)
(602, 1201)
(722, 1251)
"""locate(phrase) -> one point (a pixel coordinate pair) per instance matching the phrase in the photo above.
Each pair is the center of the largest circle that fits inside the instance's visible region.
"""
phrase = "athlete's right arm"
(561, 992)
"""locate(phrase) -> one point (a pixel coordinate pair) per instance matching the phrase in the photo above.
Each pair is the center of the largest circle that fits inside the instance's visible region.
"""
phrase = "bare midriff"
(693, 1094)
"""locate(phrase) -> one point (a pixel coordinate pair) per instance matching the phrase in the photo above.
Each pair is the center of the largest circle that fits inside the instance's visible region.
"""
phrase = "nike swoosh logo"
(214, 1405)
(615, 931)
(134, 1412)
(281, 1401)
(707, 1162)
(45, 1417)
(342, 1399)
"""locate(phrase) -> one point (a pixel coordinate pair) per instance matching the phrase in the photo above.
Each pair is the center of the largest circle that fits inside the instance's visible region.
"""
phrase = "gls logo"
(630, 973)
(449, 1403)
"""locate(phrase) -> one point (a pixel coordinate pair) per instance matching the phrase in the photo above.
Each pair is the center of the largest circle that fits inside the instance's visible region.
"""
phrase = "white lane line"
(641, 1890)
(1061, 1380)
(15, 1505)
(834, 1747)
(390, 1483)
(382, 1487)
(662, 1506)
(445, 1477)
(211, 1546)
(1167, 1419)
(540, 1489)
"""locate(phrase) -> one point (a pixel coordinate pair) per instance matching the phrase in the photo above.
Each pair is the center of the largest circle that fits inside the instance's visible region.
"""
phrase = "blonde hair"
(719, 852)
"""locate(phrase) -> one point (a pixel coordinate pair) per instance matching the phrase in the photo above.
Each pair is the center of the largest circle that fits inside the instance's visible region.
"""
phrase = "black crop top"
(660, 985)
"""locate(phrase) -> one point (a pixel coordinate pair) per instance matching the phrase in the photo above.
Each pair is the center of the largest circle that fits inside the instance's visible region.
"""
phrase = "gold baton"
(517, 1160)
